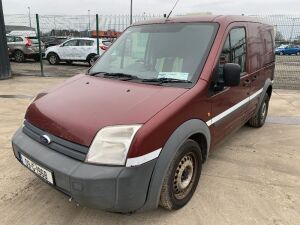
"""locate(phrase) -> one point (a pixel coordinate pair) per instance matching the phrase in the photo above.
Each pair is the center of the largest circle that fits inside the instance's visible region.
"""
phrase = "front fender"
(181, 134)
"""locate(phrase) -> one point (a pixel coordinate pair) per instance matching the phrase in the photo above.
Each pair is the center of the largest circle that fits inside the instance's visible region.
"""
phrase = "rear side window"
(18, 39)
(234, 50)
(71, 43)
(85, 43)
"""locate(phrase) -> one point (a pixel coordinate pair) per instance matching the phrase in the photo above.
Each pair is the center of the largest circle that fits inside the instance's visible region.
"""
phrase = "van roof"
(222, 19)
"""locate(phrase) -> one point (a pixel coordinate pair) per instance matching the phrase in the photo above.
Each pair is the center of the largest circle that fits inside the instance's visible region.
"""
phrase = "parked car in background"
(134, 131)
(75, 49)
(23, 48)
(104, 47)
(53, 40)
(288, 50)
(24, 33)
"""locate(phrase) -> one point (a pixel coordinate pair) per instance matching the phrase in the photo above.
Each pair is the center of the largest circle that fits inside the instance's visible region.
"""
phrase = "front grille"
(60, 145)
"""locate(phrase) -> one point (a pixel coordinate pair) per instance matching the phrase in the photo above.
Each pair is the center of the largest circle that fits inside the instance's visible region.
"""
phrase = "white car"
(76, 49)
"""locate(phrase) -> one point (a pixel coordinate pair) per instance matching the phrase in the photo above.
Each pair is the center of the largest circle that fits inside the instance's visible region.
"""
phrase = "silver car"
(23, 48)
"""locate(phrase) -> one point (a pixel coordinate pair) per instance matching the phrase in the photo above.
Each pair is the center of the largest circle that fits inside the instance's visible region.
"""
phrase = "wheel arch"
(52, 52)
(194, 129)
(268, 88)
(91, 55)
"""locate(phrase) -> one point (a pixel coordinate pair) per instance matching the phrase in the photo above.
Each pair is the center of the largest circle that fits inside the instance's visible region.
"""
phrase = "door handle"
(247, 82)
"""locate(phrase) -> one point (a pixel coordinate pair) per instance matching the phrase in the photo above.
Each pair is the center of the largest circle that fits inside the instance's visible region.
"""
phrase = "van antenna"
(172, 10)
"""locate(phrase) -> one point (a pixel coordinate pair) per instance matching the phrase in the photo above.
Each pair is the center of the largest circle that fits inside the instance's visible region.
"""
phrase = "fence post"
(97, 32)
(40, 46)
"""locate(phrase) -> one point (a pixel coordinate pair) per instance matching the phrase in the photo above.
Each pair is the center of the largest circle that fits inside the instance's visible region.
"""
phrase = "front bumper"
(117, 189)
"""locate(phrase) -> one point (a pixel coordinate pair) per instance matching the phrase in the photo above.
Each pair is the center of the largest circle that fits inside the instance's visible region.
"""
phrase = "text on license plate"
(37, 169)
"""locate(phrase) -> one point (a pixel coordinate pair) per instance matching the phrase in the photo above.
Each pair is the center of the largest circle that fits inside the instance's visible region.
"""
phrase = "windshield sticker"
(173, 75)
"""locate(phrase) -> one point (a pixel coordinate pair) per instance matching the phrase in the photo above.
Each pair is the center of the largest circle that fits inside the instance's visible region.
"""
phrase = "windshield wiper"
(166, 80)
(114, 75)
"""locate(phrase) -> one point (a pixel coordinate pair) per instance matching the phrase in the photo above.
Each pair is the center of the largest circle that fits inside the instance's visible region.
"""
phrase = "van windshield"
(159, 52)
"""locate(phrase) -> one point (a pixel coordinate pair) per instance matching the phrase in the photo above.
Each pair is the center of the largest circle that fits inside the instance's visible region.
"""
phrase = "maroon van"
(133, 132)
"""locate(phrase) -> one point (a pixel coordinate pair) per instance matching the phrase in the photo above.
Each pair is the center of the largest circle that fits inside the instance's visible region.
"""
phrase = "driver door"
(66, 50)
(229, 104)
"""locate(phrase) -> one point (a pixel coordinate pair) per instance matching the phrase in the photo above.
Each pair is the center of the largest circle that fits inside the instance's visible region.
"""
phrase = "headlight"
(111, 145)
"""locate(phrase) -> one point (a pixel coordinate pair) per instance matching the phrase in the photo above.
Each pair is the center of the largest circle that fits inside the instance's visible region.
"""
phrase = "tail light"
(103, 47)
(28, 42)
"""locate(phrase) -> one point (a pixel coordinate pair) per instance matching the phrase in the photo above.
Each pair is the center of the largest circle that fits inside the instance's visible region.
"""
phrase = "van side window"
(234, 50)
(238, 47)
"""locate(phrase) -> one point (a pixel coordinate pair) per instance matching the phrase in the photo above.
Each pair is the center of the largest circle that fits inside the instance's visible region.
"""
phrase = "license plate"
(37, 169)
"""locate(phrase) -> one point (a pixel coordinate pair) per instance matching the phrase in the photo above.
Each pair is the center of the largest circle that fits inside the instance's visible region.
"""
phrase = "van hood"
(77, 109)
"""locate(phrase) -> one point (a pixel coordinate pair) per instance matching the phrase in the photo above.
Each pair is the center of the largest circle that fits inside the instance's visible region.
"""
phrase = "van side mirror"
(232, 73)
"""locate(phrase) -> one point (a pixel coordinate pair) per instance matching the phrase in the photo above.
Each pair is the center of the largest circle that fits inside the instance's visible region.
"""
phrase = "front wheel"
(298, 53)
(53, 58)
(182, 177)
(258, 120)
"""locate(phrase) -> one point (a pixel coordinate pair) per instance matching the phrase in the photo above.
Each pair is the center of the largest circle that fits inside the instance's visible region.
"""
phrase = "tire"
(90, 59)
(298, 53)
(281, 53)
(19, 56)
(259, 119)
(53, 58)
(182, 177)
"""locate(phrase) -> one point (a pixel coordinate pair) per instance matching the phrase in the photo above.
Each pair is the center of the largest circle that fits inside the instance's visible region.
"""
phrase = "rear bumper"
(117, 189)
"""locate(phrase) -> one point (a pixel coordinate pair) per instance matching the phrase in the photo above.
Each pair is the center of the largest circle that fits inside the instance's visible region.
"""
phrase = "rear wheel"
(281, 53)
(90, 59)
(53, 58)
(258, 120)
(298, 53)
(182, 177)
(19, 56)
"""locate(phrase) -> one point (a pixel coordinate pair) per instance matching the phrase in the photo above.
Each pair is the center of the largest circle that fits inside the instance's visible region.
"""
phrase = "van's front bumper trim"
(112, 188)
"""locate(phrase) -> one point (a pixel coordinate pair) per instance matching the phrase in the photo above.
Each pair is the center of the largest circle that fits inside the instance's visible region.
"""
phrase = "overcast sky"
(80, 7)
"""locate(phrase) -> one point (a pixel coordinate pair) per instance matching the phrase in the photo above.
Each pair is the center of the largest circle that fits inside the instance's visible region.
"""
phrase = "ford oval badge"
(45, 139)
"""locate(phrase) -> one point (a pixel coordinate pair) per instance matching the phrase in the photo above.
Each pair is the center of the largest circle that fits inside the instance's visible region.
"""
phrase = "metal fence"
(287, 28)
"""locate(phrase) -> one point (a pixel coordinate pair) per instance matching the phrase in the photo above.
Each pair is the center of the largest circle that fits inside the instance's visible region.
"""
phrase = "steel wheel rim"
(184, 176)
(263, 111)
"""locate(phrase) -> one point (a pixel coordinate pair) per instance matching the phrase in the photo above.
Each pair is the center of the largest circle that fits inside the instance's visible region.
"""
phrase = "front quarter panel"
(166, 156)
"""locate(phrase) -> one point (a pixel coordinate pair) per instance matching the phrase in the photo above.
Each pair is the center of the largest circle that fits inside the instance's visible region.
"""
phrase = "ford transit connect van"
(133, 133)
